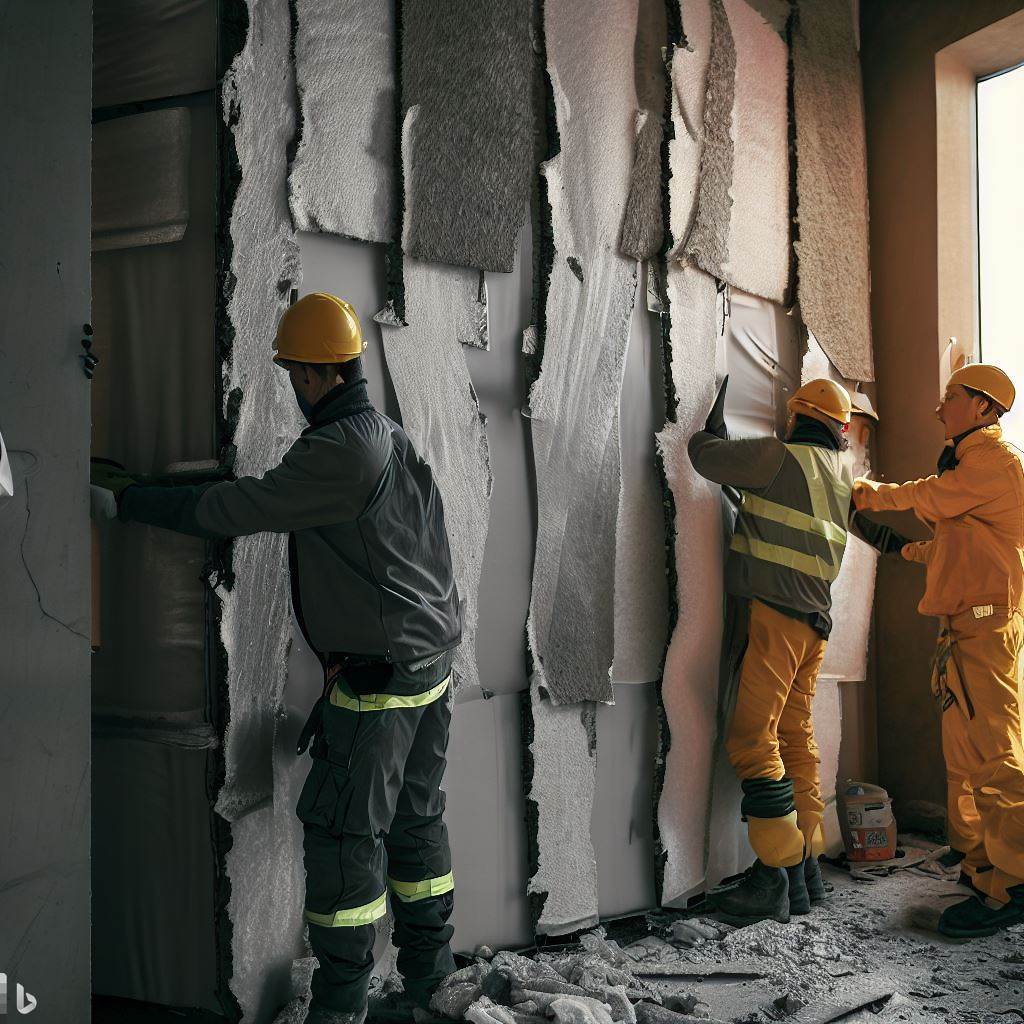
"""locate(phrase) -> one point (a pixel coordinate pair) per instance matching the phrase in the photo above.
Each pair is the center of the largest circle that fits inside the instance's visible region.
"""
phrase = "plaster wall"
(45, 101)
(899, 43)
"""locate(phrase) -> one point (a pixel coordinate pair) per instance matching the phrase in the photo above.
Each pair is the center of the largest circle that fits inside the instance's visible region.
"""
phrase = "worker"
(374, 595)
(785, 553)
(975, 587)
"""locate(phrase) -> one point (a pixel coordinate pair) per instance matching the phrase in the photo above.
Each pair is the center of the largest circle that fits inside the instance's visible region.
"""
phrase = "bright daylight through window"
(1001, 228)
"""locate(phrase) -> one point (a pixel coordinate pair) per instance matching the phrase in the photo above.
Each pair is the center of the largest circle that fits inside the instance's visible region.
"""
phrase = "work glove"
(716, 418)
(110, 477)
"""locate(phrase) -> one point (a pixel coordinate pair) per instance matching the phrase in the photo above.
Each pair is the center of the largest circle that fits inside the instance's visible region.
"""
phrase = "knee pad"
(778, 842)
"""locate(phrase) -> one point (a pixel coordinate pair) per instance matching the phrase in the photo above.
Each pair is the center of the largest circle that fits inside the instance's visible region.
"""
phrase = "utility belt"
(948, 684)
(359, 682)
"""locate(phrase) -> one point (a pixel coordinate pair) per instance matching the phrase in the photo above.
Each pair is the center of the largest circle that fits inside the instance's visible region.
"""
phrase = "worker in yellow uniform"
(374, 594)
(785, 553)
(975, 586)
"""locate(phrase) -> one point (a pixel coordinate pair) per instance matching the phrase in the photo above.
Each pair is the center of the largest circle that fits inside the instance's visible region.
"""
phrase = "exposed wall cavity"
(831, 170)
(468, 69)
(563, 889)
(441, 414)
(574, 402)
(643, 223)
(741, 230)
(342, 177)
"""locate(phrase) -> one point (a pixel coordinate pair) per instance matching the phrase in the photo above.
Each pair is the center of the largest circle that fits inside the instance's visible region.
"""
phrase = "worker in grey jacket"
(375, 597)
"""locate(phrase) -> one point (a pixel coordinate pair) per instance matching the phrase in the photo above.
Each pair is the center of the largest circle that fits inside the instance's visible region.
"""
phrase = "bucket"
(866, 822)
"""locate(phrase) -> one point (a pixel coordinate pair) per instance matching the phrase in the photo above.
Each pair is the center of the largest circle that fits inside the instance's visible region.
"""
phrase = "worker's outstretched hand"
(110, 477)
(716, 418)
(862, 491)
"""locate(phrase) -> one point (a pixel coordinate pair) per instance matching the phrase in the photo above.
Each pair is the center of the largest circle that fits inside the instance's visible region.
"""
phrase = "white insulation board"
(574, 402)
(342, 178)
(441, 415)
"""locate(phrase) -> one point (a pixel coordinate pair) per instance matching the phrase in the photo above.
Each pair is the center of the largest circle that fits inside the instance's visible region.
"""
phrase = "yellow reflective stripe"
(764, 509)
(809, 565)
(387, 701)
(352, 918)
(410, 892)
(812, 461)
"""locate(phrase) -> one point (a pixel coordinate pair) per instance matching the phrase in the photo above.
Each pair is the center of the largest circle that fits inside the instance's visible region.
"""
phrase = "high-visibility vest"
(789, 540)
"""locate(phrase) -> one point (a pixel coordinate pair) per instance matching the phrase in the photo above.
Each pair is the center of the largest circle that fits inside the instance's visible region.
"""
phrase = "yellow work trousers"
(771, 735)
(978, 679)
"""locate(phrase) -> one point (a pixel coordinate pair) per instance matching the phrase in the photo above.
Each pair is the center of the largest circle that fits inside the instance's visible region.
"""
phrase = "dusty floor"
(856, 957)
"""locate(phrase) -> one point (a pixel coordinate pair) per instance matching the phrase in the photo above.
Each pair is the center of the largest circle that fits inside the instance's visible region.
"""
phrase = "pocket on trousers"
(321, 795)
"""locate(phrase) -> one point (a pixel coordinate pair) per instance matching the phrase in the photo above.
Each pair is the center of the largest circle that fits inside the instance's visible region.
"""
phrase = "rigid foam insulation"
(831, 170)
(641, 586)
(643, 223)
(441, 415)
(152, 883)
(468, 71)
(574, 402)
(342, 177)
(563, 750)
(690, 681)
(689, 73)
(741, 230)
(151, 49)
(140, 190)
(259, 104)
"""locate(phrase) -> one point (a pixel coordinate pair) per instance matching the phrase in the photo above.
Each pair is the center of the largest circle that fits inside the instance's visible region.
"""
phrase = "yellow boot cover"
(776, 841)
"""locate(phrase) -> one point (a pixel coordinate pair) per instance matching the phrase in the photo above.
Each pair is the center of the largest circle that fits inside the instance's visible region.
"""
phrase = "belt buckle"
(983, 611)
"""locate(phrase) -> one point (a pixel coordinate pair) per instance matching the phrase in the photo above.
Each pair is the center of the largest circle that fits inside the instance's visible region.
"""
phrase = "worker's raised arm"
(952, 494)
(884, 539)
(325, 478)
(748, 464)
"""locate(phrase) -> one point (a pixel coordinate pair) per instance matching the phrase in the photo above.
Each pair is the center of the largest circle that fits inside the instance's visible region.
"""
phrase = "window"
(1001, 230)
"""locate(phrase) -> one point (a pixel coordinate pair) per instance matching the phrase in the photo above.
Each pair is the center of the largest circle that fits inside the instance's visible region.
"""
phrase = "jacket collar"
(807, 430)
(341, 401)
(976, 436)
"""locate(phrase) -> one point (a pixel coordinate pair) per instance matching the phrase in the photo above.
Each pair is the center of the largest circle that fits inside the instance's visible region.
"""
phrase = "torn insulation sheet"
(690, 681)
(441, 415)
(563, 890)
(827, 717)
(574, 401)
(342, 177)
(260, 108)
(643, 222)
(775, 12)
(689, 74)
(831, 177)
(264, 862)
(741, 230)
(467, 175)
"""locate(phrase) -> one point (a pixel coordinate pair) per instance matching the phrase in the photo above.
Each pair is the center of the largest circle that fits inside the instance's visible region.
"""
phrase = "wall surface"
(44, 528)
(898, 47)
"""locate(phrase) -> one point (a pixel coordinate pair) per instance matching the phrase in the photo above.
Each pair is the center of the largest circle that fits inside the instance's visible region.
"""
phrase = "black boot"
(762, 895)
(815, 883)
(974, 919)
(799, 897)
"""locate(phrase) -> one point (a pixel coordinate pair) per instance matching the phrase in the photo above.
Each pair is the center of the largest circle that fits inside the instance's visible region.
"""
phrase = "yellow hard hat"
(987, 379)
(861, 406)
(319, 328)
(821, 399)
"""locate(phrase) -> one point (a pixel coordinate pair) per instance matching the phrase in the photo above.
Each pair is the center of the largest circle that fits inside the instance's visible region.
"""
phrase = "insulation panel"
(342, 177)
(441, 415)
(466, 70)
(831, 170)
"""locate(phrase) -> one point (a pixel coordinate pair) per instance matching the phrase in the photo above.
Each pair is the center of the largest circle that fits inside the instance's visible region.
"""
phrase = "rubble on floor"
(856, 957)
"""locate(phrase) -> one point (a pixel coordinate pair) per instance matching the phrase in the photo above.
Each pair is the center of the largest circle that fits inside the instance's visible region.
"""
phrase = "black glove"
(111, 477)
(716, 418)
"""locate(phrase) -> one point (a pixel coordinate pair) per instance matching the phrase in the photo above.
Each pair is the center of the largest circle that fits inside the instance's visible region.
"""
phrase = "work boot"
(762, 895)
(322, 1015)
(975, 919)
(815, 883)
(799, 896)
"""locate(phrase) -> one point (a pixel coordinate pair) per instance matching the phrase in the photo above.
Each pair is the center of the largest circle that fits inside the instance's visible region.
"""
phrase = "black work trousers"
(372, 810)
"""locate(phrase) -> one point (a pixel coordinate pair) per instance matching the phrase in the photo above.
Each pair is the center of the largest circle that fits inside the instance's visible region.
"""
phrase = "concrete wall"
(898, 47)
(45, 100)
